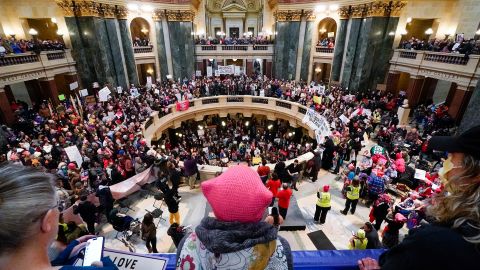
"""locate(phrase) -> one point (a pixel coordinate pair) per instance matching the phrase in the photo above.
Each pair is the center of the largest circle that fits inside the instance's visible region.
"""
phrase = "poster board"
(73, 86)
(209, 72)
(83, 92)
(74, 155)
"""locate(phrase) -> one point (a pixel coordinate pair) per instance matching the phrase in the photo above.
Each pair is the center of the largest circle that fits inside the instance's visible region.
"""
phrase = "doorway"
(234, 32)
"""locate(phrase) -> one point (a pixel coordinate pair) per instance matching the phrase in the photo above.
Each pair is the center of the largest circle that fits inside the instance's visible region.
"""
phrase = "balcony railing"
(143, 49)
(260, 47)
(28, 66)
(321, 49)
(18, 59)
(452, 67)
(218, 50)
(209, 47)
(234, 47)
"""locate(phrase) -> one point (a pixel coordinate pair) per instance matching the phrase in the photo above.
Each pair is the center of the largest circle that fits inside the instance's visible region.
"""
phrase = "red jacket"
(273, 186)
(284, 197)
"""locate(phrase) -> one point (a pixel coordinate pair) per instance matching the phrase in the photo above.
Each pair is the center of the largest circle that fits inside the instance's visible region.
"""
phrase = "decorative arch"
(140, 28)
(325, 27)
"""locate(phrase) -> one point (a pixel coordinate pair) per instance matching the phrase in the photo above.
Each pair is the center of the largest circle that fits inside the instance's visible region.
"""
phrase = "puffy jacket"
(400, 164)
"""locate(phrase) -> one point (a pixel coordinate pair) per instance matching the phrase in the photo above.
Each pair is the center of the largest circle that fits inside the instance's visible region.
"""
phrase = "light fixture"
(429, 31)
(85, 33)
(391, 33)
(247, 123)
(333, 7)
(54, 20)
(323, 30)
(180, 135)
(223, 123)
(211, 60)
(270, 126)
(320, 8)
(163, 146)
(150, 71)
(249, 33)
(478, 32)
(409, 19)
(200, 127)
(201, 32)
(144, 31)
(290, 134)
(132, 6)
(318, 70)
(234, 59)
(293, 133)
(59, 33)
(33, 32)
(403, 32)
(146, 8)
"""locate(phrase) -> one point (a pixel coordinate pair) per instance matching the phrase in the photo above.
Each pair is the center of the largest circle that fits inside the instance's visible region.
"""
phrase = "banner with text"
(318, 123)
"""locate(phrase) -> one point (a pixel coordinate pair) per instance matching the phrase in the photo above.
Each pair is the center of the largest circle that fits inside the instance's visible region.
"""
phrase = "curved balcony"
(28, 66)
(452, 67)
(144, 55)
(323, 55)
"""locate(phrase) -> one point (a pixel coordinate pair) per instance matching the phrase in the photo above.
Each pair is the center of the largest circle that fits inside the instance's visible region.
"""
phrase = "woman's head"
(147, 219)
(28, 211)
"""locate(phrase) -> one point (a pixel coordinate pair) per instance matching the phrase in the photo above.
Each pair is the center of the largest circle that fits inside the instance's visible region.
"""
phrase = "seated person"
(119, 220)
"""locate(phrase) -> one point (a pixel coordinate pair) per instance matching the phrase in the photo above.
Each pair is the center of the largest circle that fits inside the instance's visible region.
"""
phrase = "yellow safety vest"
(354, 193)
(360, 243)
(324, 200)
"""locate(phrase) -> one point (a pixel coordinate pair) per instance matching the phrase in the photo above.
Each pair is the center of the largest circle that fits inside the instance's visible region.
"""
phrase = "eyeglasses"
(41, 216)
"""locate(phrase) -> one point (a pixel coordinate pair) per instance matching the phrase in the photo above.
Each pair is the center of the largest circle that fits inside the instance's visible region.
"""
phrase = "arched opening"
(327, 29)
(140, 30)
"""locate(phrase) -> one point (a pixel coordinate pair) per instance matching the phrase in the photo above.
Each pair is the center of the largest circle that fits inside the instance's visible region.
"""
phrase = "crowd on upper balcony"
(462, 46)
(141, 42)
(233, 41)
(16, 46)
(326, 42)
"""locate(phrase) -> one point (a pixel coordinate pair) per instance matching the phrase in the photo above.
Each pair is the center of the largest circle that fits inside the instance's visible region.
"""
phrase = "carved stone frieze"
(358, 11)
(378, 9)
(344, 12)
(288, 15)
(180, 15)
(396, 8)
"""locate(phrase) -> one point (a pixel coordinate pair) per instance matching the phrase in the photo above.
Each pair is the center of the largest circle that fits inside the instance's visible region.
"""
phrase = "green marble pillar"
(470, 117)
(351, 48)
(182, 49)
(115, 52)
(128, 54)
(162, 55)
(307, 45)
(286, 46)
(339, 50)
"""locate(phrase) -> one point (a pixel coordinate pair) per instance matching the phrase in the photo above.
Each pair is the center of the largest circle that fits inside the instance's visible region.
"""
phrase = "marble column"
(128, 54)
(49, 87)
(249, 67)
(9, 93)
(339, 50)
(286, 44)
(428, 90)
(6, 112)
(115, 50)
(459, 103)
(168, 50)
(350, 51)
(392, 82)
(268, 69)
(301, 39)
(161, 50)
(470, 117)
(451, 94)
(414, 90)
(182, 49)
(307, 47)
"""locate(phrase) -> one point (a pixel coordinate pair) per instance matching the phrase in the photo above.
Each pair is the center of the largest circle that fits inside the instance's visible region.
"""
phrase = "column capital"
(464, 88)
(416, 77)
(344, 13)
(288, 15)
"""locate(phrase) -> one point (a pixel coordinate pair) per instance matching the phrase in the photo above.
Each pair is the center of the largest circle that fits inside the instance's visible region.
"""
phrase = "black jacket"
(86, 210)
(433, 247)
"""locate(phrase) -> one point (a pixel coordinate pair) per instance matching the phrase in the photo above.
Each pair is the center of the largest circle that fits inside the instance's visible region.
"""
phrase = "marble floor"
(338, 228)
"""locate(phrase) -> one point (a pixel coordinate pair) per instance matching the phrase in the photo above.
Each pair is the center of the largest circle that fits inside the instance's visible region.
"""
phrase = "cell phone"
(93, 251)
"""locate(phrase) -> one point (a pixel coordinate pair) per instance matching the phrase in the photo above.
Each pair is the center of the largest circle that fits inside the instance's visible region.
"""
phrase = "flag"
(183, 105)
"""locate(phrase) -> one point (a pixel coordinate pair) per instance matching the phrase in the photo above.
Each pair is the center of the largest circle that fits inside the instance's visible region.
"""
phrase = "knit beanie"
(237, 195)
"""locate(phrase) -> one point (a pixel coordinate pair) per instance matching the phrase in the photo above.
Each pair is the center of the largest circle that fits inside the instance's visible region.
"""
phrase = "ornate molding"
(180, 15)
(68, 7)
(91, 8)
(358, 11)
(378, 9)
(121, 12)
(288, 15)
(344, 12)
(158, 15)
(396, 8)
(309, 15)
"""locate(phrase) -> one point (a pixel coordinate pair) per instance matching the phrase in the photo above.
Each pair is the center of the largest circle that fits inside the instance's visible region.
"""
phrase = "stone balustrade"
(234, 51)
(322, 49)
(28, 66)
(323, 55)
(143, 49)
(453, 67)
(272, 108)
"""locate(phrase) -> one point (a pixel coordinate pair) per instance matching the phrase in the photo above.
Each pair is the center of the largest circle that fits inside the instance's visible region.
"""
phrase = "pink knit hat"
(237, 195)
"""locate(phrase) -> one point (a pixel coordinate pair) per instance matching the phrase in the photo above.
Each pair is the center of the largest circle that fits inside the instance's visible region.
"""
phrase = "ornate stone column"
(459, 102)
(6, 111)
(301, 39)
(49, 87)
(392, 82)
(414, 90)
(340, 41)
(287, 26)
(470, 117)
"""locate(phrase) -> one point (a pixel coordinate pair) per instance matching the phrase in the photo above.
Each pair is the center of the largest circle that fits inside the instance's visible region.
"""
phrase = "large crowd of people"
(109, 138)
(462, 46)
(233, 41)
(15, 46)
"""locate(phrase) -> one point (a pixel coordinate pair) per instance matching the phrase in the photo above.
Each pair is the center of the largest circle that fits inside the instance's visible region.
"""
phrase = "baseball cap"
(468, 143)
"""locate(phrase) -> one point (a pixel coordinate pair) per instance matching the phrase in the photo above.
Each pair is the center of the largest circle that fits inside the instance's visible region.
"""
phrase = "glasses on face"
(41, 216)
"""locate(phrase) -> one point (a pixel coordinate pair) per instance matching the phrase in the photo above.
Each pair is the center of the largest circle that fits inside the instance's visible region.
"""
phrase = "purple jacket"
(190, 166)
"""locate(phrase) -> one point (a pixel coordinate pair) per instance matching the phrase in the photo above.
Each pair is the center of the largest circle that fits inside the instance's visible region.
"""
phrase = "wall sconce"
(322, 31)
(59, 33)
(150, 71)
(144, 31)
(33, 32)
(429, 31)
(391, 33)
(409, 19)
(234, 59)
(403, 32)
(54, 20)
(318, 70)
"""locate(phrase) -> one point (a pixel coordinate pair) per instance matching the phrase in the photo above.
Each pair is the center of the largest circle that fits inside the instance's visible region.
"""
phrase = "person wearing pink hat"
(392, 231)
(323, 204)
(236, 238)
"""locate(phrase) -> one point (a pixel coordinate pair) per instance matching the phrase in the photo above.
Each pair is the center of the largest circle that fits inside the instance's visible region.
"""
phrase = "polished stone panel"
(470, 118)
(307, 45)
(128, 51)
(348, 64)
(339, 50)
(286, 46)
(115, 52)
(162, 55)
(182, 49)
(102, 59)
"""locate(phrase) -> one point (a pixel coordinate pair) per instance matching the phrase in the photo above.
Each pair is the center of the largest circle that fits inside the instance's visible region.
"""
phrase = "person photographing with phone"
(29, 222)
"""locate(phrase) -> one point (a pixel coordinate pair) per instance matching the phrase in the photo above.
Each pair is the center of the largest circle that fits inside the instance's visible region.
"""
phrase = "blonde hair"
(461, 205)
(26, 194)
